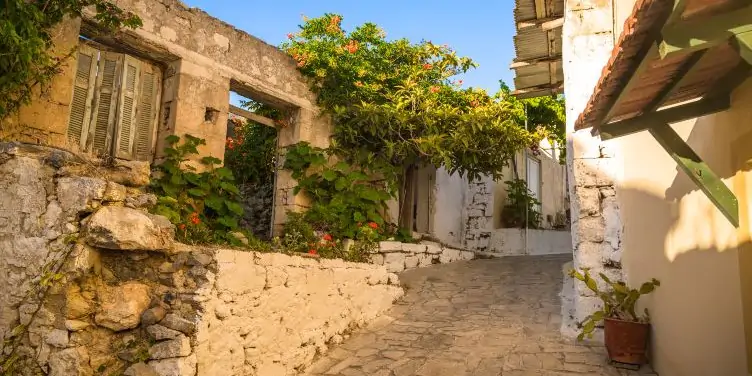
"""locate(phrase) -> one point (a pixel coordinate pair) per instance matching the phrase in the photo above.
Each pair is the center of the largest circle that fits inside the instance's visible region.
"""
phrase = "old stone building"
(119, 95)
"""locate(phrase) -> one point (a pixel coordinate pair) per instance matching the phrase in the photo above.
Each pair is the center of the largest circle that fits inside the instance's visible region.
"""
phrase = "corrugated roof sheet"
(538, 46)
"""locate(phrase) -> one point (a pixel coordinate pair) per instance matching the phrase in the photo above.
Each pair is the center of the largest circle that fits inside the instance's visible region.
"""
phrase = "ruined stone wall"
(592, 165)
(478, 216)
(129, 300)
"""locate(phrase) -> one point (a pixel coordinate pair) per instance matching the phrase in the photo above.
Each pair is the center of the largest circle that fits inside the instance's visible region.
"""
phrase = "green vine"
(27, 60)
(50, 274)
(203, 205)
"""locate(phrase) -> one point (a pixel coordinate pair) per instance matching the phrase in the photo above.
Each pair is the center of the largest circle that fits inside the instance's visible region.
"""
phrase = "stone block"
(70, 362)
(79, 194)
(448, 255)
(411, 262)
(425, 260)
(390, 246)
(589, 229)
(123, 228)
(140, 369)
(178, 323)
(57, 338)
(377, 259)
(587, 201)
(120, 307)
(159, 332)
(142, 201)
(414, 248)
(467, 255)
(114, 192)
(185, 366)
(153, 315)
(173, 348)
(594, 172)
(433, 248)
(394, 262)
(76, 325)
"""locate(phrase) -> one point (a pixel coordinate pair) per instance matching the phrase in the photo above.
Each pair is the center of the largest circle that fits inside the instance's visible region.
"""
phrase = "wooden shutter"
(105, 103)
(126, 122)
(83, 92)
(147, 112)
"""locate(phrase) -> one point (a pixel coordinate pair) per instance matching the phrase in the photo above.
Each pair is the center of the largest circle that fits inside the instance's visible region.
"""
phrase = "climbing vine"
(27, 60)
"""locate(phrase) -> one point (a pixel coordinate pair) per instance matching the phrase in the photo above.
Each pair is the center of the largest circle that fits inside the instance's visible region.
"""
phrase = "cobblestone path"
(475, 318)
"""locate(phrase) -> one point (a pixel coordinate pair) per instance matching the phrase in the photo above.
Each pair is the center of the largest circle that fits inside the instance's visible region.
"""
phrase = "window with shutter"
(148, 112)
(115, 104)
(126, 121)
(83, 92)
(105, 103)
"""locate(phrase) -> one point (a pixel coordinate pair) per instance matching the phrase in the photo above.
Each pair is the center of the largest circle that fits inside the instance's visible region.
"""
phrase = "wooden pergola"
(676, 60)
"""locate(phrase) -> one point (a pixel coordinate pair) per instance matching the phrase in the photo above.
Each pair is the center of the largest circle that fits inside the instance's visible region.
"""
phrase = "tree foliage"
(26, 42)
(395, 103)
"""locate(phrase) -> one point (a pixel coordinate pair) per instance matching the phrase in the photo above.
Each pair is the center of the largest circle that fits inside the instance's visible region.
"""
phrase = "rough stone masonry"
(130, 300)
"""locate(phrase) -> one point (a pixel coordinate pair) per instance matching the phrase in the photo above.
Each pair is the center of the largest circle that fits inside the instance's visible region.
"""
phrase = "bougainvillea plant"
(395, 104)
(400, 102)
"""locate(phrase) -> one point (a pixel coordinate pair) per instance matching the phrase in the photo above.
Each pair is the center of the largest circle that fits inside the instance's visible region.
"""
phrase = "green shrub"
(520, 206)
(203, 205)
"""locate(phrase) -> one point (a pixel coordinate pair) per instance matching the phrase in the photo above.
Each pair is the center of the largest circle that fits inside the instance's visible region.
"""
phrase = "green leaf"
(358, 217)
(229, 222)
(329, 175)
(196, 192)
(341, 184)
(214, 202)
(232, 188)
(234, 207)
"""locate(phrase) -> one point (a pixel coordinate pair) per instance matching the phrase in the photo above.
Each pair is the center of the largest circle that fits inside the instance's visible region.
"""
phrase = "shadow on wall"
(674, 233)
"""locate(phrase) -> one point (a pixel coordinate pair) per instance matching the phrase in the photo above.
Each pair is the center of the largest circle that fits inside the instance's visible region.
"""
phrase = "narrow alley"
(476, 318)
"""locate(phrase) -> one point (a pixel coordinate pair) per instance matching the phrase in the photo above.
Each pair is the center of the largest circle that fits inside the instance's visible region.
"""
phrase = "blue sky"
(481, 30)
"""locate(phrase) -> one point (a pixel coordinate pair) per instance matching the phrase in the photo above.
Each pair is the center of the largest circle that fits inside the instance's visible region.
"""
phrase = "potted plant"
(626, 333)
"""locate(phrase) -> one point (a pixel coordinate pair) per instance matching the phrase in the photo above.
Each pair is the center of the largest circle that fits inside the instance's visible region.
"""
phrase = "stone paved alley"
(475, 318)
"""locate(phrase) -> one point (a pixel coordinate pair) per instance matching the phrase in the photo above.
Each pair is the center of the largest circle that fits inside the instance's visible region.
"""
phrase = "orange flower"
(434, 89)
(327, 237)
(474, 103)
(460, 82)
(194, 218)
(182, 226)
(336, 20)
(358, 84)
(312, 252)
(373, 225)
(352, 47)
(427, 66)
(290, 35)
(301, 63)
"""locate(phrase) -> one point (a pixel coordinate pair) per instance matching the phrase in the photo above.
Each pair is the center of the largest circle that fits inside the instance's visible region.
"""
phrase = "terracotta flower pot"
(627, 341)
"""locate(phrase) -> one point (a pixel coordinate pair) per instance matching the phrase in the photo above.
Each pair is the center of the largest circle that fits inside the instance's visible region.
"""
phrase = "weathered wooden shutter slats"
(106, 100)
(126, 127)
(147, 112)
(83, 93)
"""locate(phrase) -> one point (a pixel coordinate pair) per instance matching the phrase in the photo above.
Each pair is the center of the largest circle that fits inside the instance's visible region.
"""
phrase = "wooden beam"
(526, 63)
(697, 170)
(252, 116)
(546, 23)
(540, 9)
(667, 116)
(674, 82)
(647, 55)
(704, 33)
(744, 43)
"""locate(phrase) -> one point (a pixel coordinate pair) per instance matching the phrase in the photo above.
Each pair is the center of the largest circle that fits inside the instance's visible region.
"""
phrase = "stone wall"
(258, 202)
(521, 242)
(479, 204)
(124, 298)
(398, 257)
(588, 36)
